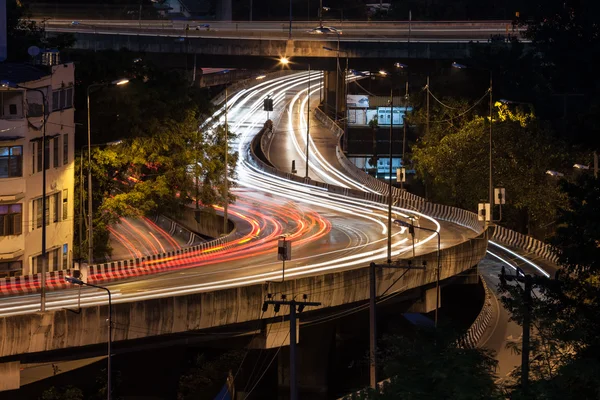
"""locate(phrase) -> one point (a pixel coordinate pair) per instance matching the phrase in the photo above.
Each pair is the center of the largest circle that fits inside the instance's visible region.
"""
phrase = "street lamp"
(76, 281)
(118, 82)
(490, 90)
(8, 84)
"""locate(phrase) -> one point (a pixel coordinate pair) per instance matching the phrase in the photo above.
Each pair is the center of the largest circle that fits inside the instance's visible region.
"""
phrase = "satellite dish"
(33, 51)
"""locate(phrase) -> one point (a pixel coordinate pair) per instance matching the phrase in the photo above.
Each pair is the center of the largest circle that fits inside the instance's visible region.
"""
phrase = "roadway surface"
(456, 31)
(328, 232)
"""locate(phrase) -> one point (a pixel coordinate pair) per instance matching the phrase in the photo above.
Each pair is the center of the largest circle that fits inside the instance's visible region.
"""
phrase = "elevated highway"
(423, 40)
(336, 230)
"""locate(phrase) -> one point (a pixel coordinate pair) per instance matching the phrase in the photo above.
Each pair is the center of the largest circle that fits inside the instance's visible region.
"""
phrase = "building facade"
(22, 159)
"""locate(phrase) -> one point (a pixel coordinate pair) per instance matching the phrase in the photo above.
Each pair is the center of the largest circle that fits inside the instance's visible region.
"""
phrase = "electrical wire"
(266, 369)
(463, 113)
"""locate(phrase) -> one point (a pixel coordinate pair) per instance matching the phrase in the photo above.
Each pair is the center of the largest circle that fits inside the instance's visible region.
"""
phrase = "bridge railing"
(463, 217)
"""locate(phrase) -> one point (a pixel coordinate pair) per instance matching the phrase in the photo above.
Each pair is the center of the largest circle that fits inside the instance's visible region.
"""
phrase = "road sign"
(499, 196)
(483, 212)
(284, 250)
(400, 174)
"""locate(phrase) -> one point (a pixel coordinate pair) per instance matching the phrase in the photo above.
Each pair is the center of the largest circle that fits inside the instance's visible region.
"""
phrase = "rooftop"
(21, 72)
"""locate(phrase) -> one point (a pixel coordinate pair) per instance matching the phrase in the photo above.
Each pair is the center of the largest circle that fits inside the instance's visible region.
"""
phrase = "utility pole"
(528, 281)
(226, 188)
(307, 122)
(526, 334)
(404, 137)
(427, 87)
(295, 307)
(373, 316)
(389, 225)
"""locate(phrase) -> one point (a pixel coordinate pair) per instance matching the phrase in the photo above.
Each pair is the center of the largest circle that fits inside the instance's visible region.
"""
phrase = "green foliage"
(205, 377)
(454, 160)
(431, 365)
(162, 161)
(66, 393)
(565, 345)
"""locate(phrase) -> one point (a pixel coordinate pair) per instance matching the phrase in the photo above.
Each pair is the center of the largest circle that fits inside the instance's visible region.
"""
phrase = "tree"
(565, 345)
(454, 159)
(431, 365)
(206, 376)
(66, 393)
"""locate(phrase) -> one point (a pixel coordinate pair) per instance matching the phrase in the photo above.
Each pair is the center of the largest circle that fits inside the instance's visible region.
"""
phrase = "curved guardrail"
(463, 217)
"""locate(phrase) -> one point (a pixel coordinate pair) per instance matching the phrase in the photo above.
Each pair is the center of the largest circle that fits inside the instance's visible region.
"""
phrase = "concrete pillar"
(330, 93)
(224, 10)
(10, 376)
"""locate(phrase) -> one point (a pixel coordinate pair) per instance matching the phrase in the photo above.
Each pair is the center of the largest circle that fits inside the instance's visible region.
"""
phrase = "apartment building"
(23, 158)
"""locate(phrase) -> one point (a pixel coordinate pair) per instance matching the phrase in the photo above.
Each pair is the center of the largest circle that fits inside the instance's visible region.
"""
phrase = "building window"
(11, 268)
(65, 149)
(55, 266)
(11, 217)
(55, 98)
(55, 206)
(47, 154)
(37, 212)
(65, 256)
(39, 155)
(55, 154)
(11, 161)
(65, 206)
(62, 99)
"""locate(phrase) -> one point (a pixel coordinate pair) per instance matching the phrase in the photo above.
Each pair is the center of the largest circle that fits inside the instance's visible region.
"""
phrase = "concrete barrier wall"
(481, 323)
(60, 329)
(526, 243)
(176, 230)
(257, 44)
(209, 224)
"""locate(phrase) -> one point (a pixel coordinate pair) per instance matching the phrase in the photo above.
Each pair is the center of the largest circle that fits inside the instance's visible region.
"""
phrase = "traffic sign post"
(284, 252)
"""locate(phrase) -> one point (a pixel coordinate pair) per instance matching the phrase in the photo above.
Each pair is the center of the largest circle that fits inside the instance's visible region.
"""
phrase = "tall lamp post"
(285, 62)
(390, 197)
(491, 187)
(44, 200)
(117, 82)
(226, 181)
(77, 281)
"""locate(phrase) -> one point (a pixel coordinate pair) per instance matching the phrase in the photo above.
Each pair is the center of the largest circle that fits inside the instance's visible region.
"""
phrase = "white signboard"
(358, 100)
(371, 114)
(383, 115)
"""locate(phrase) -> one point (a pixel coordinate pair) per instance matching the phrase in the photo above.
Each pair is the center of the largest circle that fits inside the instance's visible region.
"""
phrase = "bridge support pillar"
(312, 364)
(10, 375)
(330, 92)
(274, 335)
(426, 302)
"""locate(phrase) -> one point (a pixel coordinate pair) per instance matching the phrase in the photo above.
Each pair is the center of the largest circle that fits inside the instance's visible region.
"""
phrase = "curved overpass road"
(351, 31)
(329, 232)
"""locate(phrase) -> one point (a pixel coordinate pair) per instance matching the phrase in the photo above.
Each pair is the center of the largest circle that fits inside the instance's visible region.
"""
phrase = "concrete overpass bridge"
(358, 40)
